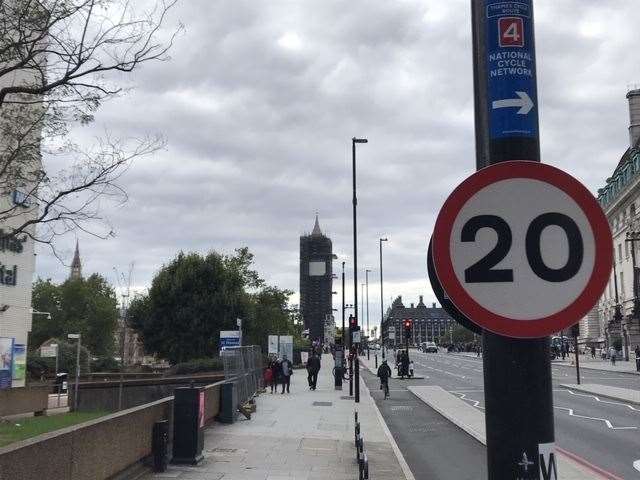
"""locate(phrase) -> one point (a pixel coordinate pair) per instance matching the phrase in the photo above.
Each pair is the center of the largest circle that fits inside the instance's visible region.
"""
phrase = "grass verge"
(23, 428)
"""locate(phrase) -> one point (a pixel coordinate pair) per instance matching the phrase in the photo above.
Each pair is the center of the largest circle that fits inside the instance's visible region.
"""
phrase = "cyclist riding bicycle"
(384, 372)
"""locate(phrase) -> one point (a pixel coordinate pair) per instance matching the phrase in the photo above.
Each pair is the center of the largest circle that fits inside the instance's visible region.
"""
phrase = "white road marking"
(636, 465)
(607, 422)
(463, 396)
(605, 401)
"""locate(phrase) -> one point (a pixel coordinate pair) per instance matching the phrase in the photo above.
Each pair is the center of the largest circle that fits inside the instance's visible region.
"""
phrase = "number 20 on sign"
(522, 249)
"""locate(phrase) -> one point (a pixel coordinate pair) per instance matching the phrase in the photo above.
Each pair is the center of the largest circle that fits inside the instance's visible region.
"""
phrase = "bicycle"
(384, 386)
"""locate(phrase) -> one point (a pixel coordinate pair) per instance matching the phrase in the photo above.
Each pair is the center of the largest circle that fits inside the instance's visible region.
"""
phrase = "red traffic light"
(352, 321)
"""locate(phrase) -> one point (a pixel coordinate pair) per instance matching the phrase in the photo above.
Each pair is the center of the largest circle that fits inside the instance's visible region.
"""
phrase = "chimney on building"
(634, 116)
(412, 305)
(433, 305)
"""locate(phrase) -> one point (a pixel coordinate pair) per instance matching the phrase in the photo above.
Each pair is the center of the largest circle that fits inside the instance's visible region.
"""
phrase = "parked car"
(429, 347)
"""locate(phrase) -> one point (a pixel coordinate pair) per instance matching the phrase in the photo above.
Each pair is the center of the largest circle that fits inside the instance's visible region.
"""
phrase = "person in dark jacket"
(287, 370)
(313, 367)
(384, 373)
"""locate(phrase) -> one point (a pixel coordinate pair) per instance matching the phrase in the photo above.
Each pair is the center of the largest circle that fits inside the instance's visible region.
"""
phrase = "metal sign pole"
(517, 373)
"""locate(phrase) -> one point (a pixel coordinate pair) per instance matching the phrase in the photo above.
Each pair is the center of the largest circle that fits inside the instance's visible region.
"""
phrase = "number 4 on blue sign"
(511, 32)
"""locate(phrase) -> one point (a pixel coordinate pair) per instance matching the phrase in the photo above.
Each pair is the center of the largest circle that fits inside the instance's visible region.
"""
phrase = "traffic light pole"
(517, 372)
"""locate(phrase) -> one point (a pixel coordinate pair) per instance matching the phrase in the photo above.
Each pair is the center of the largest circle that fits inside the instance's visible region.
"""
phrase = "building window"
(622, 284)
(632, 210)
(620, 252)
(626, 250)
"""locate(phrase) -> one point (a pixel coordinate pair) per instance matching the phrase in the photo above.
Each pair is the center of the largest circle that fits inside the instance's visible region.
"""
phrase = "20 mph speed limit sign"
(522, 249)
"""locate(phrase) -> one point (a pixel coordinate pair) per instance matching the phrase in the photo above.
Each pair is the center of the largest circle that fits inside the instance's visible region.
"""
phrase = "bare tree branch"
(56, 57)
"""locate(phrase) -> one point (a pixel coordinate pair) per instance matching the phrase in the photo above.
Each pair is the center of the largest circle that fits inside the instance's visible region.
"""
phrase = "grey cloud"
(259, 134)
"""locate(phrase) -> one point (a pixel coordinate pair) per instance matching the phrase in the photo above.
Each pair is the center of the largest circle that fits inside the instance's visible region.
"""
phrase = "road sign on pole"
(514, 233)
(517, 372)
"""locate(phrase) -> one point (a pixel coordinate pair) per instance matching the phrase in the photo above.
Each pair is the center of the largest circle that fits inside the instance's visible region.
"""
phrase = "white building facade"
(618, 312)
(20, 165)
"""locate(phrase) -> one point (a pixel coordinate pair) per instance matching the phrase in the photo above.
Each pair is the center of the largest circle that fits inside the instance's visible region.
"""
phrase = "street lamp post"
(355, 140)
(362, 285)
(366, 276)
(75, 387)
(344, 344)
(381, 300)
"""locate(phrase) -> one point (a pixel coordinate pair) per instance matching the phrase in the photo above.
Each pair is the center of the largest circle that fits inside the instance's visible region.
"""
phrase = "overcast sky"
(259, 103)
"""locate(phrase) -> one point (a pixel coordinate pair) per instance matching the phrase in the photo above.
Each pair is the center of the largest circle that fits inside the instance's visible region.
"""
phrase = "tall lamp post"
(78, 337)
(362, 285)
(344, 344)
(381, 300)
(366, 276)
(354, 141)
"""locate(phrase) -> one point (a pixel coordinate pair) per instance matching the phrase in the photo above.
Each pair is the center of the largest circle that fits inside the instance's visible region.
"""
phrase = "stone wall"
(94, 450)
(14, 401)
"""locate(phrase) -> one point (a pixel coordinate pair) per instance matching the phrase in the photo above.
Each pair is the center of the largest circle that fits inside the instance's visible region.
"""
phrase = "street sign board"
(272, 344)
(522, 249)
(49, 351)
(286, 346)
(356, 337)
(229, 338)
(510, 67)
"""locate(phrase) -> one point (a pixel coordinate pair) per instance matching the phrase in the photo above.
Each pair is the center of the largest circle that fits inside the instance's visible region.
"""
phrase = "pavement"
(615, 393)
(304, 435)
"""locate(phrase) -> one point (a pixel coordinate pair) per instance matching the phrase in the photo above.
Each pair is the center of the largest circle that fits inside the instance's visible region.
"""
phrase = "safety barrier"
(361, 453)
(243, 367)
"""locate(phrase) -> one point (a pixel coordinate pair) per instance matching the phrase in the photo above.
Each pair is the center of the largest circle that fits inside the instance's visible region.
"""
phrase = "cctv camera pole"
(517, 372)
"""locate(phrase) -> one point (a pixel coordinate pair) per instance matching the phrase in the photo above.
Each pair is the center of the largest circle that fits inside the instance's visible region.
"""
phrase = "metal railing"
(361, 453)
(243, 366)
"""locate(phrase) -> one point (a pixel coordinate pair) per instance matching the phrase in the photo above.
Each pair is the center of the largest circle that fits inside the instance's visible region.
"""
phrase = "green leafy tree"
(189, 301)
(194, 297)
(81, 306)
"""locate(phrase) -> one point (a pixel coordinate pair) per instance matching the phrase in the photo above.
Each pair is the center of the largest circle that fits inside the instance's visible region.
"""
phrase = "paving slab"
(471, 420)
(615, 393)
(303, 435)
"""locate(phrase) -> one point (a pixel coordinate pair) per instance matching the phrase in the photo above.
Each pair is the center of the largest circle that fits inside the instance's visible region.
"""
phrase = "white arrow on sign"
(524, 103)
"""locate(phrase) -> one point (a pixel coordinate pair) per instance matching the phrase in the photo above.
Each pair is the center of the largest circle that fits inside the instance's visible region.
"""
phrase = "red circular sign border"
(497, 323)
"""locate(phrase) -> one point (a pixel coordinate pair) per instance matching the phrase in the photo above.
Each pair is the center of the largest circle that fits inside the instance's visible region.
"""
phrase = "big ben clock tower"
(316, 280)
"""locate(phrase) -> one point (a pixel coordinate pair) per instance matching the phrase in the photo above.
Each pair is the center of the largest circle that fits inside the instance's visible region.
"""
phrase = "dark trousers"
(313, 379)
(286, 381)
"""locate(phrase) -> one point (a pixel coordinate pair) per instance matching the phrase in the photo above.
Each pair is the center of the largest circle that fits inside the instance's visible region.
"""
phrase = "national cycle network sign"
(511, 70)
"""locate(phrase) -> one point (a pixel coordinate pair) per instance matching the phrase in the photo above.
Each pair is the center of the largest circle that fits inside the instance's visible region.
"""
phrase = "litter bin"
(228, 403)
(188, 425)
(159, 445)
(61, 383)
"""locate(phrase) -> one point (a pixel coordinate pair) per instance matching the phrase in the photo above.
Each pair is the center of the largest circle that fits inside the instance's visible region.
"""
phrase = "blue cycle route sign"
(511, 70)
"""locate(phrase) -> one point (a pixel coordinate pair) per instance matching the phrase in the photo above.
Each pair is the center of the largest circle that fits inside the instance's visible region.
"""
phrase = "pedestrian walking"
(612, 355)
(287, 371)
(404, 365)
(637, 351)
(313, 367)
(593, 351)
(268, 376)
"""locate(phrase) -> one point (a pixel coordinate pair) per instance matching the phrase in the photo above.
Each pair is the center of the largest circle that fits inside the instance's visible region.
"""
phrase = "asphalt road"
(603, 432)
(430, 444)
